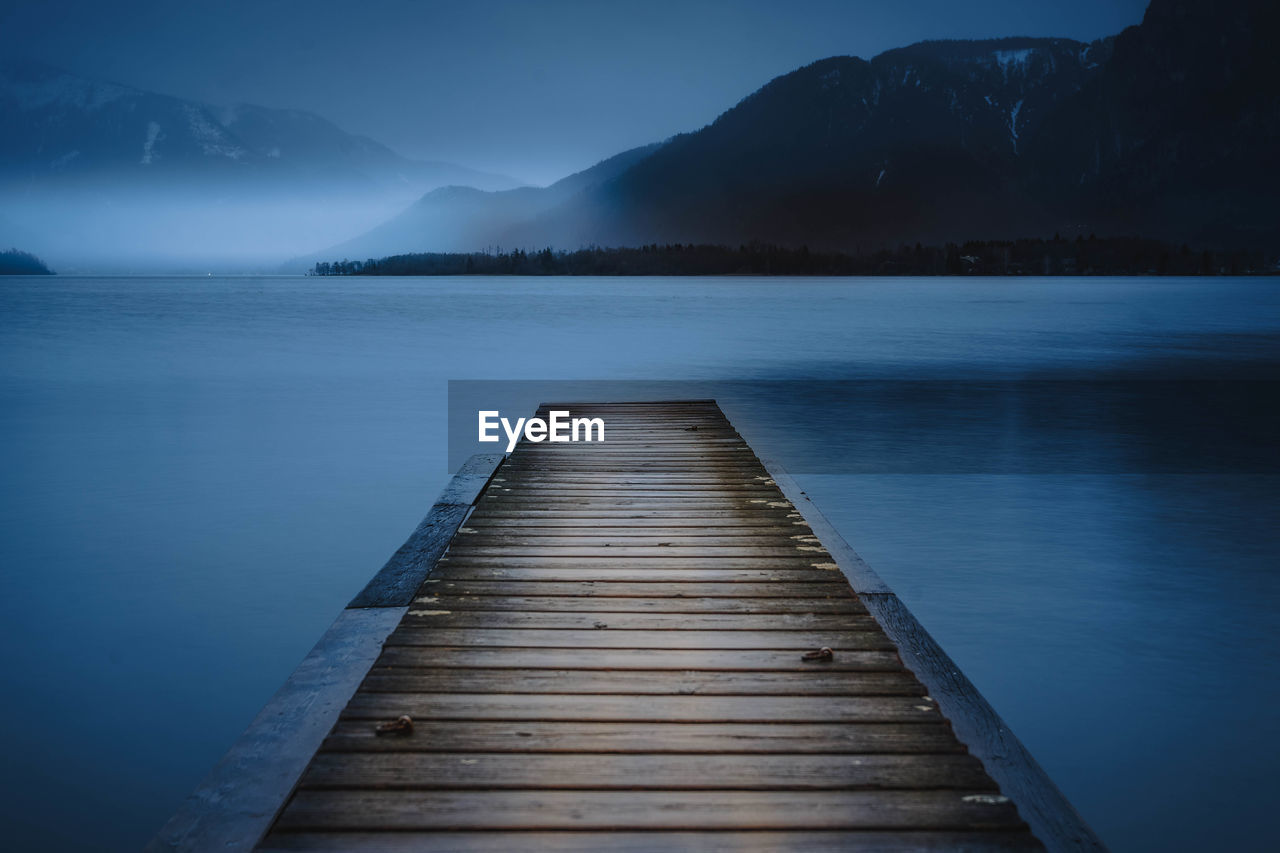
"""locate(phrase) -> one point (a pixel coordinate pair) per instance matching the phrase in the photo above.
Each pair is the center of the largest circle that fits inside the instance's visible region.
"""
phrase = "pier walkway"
(652, 643)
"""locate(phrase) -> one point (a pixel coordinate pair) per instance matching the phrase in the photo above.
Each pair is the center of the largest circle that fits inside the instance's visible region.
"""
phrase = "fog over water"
(200, 473)
(234, 137)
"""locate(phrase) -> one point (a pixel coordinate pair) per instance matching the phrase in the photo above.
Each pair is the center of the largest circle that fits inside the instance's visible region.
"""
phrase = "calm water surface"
(199, 473)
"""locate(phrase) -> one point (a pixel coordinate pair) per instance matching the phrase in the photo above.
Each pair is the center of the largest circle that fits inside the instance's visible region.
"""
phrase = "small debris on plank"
(402, 725)
(822, 654)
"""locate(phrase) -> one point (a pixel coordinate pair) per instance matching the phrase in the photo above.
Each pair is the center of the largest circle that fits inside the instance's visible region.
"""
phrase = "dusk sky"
(534, 90)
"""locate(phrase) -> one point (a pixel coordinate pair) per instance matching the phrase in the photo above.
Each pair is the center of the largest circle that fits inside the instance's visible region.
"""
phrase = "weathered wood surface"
(699, 682)
(600, 619)
(542, 808)
(664, 771)
(612, 738)
(616, 638)
(684, 660)
(396, 583)
(652, 709)
(762, 841)
(611, 656)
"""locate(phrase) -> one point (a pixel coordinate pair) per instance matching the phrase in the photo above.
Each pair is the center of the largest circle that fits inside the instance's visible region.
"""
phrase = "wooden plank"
(638, 451)
(735, 468)
(464, 549)
(602, 604)
(528, 473)
(643, 772)
(682, 659)
(534, 528)
(572, 459)
(750, 516)
(635, 574)
(653, 709)
(609, 638)
(687, 501)
(470, 480)
(560, 474)
(743, 523)
(637, 442)
(403, 679)
(600, 620)
(646, 562)
(491, 535)
(395, 584)
(616, 738)
(707, 404)
(726, 492)
(811, 841)
(693, 478)
(561, 488)
(736, 465)
(409, 810)
(835, 588)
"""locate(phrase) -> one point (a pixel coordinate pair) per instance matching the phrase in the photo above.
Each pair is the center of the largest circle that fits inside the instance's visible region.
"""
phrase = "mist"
(130, 231)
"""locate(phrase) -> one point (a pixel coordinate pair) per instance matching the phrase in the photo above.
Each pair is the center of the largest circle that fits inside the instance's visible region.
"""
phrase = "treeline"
(1082, 256)
(18, 262)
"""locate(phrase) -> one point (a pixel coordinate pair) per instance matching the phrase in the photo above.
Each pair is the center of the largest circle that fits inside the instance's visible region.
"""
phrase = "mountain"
(464, 218)
(109, 171)
(1179, 132)
(62, 128)
(1168, 130)
(314, 149)
(848, 152)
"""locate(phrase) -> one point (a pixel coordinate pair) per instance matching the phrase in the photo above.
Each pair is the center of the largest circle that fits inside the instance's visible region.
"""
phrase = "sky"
(535, 90)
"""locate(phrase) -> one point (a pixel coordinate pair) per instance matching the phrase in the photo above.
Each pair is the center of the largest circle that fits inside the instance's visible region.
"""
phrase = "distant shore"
(18, 262)
(1054, 257)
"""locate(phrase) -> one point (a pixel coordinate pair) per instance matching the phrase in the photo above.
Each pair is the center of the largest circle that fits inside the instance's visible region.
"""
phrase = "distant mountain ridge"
(61, 126)
(462, 218)
(845, 151)
(1168, 131)
(99, 175)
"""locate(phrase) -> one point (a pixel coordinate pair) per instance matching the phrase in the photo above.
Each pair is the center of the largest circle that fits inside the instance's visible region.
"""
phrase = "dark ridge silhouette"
(460, 218)
(1092, 256)
(18, 262)
(1168, 130)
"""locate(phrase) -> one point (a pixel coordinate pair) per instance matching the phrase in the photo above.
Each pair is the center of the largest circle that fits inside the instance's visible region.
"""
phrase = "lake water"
(200, 472)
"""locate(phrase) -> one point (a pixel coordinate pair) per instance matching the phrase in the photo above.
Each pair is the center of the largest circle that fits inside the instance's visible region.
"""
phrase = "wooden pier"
(622, 649)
